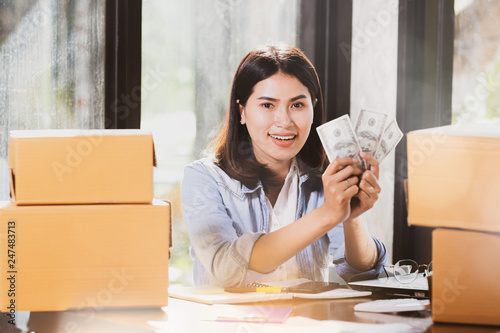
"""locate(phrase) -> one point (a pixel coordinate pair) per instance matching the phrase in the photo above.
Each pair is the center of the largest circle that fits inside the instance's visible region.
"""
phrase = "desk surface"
(182, 315)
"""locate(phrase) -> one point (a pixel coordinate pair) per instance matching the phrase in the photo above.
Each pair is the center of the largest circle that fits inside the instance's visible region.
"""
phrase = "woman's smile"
(283, 140)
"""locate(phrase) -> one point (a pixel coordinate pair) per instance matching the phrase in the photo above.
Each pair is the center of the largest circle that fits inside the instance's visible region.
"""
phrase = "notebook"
(216, 295)
(391, 287)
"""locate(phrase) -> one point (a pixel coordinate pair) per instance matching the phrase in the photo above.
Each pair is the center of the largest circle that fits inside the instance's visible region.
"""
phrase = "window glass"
(190, 50)
(476, 63)
(51, 68)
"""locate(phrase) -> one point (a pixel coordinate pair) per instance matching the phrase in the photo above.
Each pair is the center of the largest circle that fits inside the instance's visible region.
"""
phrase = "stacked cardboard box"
(81, 166)
(453, 184)
(83, 230)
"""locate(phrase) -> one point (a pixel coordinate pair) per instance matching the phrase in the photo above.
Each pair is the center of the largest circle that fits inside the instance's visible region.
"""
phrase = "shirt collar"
(294, 170)
(294, 166)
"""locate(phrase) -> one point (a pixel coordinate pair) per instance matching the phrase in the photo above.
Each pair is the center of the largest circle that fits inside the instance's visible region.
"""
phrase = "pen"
(255, 289)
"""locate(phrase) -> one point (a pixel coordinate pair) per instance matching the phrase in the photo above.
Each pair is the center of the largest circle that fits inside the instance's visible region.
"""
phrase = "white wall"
(373, 87)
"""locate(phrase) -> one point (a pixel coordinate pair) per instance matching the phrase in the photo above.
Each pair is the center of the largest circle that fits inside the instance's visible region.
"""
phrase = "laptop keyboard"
(419, 284)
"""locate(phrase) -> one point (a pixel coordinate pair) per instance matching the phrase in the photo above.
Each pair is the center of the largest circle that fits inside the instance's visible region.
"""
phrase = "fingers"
(374, 165)
(342, 168)
(341, 176)
(368, 193)
(369, 180)
(369, 183)
(369, 190)
(351, 182)
(339, 163)
(342, 185)
(339, 195)
(351, 191)
(369, 187)
(366, 202)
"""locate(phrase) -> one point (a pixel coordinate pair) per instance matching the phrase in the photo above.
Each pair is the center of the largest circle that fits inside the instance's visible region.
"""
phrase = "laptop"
(390, 287)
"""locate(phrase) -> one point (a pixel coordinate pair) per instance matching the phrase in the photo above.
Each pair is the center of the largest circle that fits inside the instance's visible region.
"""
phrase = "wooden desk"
(182, 317)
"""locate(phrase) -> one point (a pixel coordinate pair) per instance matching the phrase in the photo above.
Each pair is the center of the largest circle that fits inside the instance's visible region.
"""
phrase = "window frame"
(324, 27)
(425, 68)
(123, 64)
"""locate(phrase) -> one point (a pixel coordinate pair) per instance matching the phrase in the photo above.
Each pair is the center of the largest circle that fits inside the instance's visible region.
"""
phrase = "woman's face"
(278, 115)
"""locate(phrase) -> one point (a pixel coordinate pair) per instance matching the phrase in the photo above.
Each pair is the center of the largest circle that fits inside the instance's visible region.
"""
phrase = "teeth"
(283, 138)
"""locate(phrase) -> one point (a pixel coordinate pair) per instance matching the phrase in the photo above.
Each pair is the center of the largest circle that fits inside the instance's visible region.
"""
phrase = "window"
(476, 63)
(51, 68)
(374, 61)
(190, 52)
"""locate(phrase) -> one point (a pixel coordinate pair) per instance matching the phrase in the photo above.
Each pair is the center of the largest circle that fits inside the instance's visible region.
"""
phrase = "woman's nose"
(282, 117)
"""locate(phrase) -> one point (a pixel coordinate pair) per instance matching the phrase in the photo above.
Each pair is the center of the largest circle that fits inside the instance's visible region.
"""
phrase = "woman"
(266, 205)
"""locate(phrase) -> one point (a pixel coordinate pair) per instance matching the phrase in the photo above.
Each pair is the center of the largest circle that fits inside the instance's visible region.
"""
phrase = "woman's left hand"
(369, 188)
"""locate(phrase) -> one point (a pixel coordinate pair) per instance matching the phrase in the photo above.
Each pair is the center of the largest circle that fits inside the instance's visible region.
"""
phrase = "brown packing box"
(60, 257)
(81, 166)
(454, 178)
(465, 278)
(453, 182)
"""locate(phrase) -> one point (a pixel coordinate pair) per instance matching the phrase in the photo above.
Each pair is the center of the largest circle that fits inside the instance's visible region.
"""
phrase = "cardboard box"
(453, 178)
(453, 182)
(60, 257)
(81, 166)
(465, 277)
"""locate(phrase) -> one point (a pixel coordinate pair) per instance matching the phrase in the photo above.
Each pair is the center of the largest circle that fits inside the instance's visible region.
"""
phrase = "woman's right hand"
(340, 183)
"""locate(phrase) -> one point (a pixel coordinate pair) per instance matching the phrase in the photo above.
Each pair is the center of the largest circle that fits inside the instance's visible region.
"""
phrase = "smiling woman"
(271, 95)
(278, 116)
(266, 206)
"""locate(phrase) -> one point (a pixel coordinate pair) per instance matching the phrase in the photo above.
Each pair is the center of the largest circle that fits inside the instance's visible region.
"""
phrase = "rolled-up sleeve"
(346, 272)
(223, 252)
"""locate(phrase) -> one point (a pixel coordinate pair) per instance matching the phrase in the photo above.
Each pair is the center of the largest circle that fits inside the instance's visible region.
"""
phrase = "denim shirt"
(224, 219)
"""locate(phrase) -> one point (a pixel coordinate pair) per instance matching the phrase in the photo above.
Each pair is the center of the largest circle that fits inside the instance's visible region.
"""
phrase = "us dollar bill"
(390, 138)
(339, 140)
(369, 129)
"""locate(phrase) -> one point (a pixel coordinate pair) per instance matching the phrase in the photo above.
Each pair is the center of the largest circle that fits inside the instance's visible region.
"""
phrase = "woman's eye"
(267, 105)
(298, 105)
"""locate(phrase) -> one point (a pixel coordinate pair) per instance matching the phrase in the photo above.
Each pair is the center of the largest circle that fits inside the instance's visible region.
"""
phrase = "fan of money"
(374, 133)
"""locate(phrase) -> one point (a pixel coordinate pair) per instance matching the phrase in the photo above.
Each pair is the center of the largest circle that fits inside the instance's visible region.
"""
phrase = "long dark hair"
(233, 146)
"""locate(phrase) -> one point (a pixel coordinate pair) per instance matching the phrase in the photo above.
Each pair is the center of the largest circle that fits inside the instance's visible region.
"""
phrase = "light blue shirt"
(224, 219)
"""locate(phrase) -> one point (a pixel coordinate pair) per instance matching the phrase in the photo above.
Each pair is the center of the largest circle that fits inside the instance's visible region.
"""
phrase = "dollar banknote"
(390, 138)
(338, 139)
(369, 129)
(370, 135)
